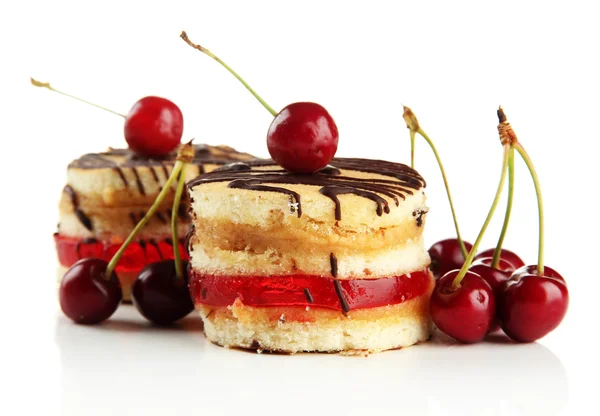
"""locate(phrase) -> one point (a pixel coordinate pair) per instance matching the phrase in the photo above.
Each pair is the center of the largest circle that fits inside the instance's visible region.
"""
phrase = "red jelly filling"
(137, 255)
(307, 290)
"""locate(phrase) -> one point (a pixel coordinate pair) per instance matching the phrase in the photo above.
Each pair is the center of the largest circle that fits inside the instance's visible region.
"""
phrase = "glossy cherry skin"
(303, 138)
(496, 277)
(153, 127)
(531, 306)
(466, 313)
(85, 295)
(505, 254)
(159, 295)
(446, 255)
(532, 269)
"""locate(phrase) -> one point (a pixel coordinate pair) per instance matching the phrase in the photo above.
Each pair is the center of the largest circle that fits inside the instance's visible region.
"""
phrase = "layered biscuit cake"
(108, 193)
(332, 261)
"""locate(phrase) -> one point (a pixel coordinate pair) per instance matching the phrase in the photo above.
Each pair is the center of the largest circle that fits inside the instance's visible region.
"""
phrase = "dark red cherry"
(533, 269)
(85, 295)
(159, 295)
(496, 277)
(465, 313)
(153, 127)
(531, 306)
(303, 138)
(505, 254)
(446, 255)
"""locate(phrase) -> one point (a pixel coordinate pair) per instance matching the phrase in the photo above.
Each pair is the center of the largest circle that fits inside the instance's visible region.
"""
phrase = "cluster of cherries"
(477, 292)
(302, 138)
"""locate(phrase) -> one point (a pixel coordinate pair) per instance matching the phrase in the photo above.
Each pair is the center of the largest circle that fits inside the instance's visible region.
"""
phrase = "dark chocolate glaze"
(161, 217)
(203, 154)
(154, 174)
(340, 294)
(333, 263)
(122, 175)
(337, 285)
(257, 175)
(138, 181)
(418, 214)
(83, 219)
(309, 297)
(154, 244)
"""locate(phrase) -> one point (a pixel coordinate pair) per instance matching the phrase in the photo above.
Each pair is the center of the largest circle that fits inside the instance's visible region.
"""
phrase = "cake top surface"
(125, 158)
(365, 178)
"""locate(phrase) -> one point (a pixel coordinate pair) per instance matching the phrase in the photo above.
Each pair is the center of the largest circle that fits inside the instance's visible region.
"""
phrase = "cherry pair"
(528, 301)
(90, 292)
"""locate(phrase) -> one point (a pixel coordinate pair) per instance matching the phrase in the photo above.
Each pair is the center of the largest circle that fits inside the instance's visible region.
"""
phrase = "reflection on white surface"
(133, 368)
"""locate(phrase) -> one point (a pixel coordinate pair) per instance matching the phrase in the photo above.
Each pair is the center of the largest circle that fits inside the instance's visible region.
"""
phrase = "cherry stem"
(184, 156)
(174, 215)
(509, 204)
(412, 148)
(463, 249)
(469, 260)
(202, 49)
(538, 193)
(51, 88)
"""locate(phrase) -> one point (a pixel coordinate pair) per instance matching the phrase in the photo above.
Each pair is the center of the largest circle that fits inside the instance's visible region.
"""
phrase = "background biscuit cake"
(108, 193)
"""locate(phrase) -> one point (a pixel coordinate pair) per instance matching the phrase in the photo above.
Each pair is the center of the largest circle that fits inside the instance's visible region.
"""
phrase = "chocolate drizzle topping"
(138, 181)
(309, 297)
(258, 176)
(83, 219)
(333, 263)
(121, 159)
(125, 158)
(337, 285)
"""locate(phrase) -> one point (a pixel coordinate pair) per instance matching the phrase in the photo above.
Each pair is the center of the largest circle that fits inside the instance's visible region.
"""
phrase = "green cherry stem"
(509, 204)
(412, 150)
(412, 123)
(184, 155)
(47, 85)
(538, 193)
(469, 260)
(174, 212)
(205, 51)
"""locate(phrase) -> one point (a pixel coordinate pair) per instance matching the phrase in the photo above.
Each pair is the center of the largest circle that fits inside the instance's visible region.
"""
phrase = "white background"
(453, 62)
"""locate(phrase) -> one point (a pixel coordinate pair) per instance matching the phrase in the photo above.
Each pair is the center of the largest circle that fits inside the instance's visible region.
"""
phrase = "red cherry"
(85, 295)
(505, 254)
(465, 313)
(531, 306)
(159, 295)
(446, 255)
(153, 127)
(533, 269)
(496, 277)
(302, 138)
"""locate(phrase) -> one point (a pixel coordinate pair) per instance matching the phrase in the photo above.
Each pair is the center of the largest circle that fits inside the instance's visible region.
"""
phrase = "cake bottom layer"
(304, 329)
(127, 279)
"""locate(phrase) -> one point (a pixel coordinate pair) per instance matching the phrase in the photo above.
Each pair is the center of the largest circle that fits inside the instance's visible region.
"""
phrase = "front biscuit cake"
(108, 193)
(331, 261)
